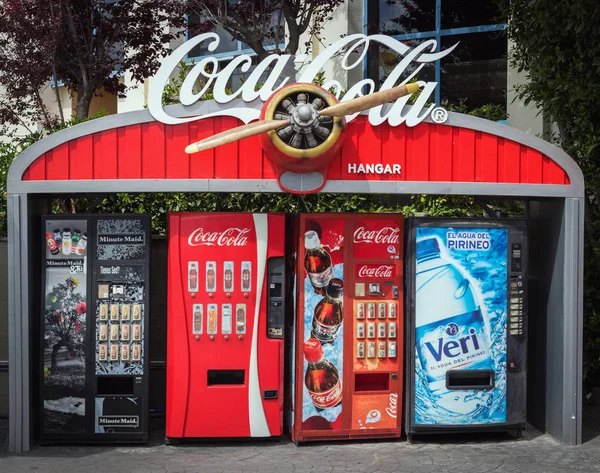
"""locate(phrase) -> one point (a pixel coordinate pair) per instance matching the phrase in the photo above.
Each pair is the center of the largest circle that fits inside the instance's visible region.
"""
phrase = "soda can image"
(102, 332)
(381, 330)
(360, 349)
(114, 312)
(360, 310)
(212, 318)
(114, 332)
(192, 276)
(371, 330)
(392, 330)
(360, 330)
(228, 276)
(125, 352)
(136, 352)
(211, 276)
(197, 311)
(137, 311)
(371, 310)
(137, 332)
(381, 350)
(103, 313)
(246, 276)
(381, 310)
(114, 352)
(125, 312)
(392, 350)
(392, 310)
(125, 328)
(102, 353)
(371, 350)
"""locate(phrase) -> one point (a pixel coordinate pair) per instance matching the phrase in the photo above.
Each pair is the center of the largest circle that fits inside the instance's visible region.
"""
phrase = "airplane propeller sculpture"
(301, 129)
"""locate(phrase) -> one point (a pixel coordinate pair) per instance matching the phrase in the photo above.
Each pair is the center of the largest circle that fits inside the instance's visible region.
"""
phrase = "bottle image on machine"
(322, 379)
(329, 313)
(228, 276)
(51, 242)
(66, 241)
(450, 328)
(81, 245)
(211, 276)
(246, 275)
(192, 276)
(75, 240)
(317, 262)
(57, 237)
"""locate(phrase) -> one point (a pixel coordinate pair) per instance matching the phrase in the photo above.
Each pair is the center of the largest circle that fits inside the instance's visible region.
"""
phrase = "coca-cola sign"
(269, 75)
(392, 409)
(388, 235)
(375, 271)
(377, 238)
(229, 237)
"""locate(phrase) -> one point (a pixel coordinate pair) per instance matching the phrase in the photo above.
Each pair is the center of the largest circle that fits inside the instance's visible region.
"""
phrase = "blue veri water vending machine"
(467, 325)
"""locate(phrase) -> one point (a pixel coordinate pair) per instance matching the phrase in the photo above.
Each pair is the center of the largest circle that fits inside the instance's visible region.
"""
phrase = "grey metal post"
(18, 325)
(573, 321)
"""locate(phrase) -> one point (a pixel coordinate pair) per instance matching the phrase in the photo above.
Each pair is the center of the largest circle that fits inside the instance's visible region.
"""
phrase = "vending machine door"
(349, 332)
(467, 326)
(225, 325)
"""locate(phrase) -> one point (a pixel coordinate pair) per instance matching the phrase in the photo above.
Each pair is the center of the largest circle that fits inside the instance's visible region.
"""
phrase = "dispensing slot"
(372, 382)
(115, 385)
(226, 377)
(469, 379)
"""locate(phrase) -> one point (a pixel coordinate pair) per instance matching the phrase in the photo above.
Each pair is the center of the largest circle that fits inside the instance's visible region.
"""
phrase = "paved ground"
(535, 453)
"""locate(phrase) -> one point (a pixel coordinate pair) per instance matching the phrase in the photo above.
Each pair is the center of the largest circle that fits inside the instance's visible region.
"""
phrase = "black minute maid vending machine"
(466, 325)
(94, 380)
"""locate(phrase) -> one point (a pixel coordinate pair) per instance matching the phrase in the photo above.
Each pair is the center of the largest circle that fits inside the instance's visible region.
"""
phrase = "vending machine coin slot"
(275, 304)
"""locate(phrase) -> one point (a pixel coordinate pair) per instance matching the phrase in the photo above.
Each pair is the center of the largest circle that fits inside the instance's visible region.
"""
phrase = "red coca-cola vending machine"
(347, 356)
(225, 325)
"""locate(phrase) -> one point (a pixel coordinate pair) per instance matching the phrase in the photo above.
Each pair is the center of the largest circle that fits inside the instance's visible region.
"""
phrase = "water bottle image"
(451, 331)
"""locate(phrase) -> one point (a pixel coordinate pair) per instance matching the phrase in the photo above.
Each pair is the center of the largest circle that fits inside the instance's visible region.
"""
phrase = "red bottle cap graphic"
(313, 351)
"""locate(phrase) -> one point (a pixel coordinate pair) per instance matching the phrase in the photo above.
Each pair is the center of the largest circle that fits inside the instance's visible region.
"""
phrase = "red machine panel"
(349, 328)
(225, 346)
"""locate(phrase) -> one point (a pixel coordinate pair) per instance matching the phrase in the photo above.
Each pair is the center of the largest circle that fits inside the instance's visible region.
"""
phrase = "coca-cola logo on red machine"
(367, 271)
(389, 235)
(229, 237)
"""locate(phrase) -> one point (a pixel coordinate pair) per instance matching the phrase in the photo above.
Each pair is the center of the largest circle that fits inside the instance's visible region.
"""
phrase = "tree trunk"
(54, 363)
(84, 100)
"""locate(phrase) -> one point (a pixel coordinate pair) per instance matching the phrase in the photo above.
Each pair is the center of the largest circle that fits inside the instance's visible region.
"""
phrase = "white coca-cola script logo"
(387, 235)
(229, 237)
(375, 272)
(392, 408)
(270, 74)
(327, 398)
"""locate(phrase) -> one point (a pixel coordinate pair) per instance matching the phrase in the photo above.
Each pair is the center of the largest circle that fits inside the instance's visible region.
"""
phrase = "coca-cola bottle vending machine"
(225, 325)
(347, 351)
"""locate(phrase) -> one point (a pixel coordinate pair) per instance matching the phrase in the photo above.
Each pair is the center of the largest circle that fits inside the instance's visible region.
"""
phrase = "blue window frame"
(433, 19)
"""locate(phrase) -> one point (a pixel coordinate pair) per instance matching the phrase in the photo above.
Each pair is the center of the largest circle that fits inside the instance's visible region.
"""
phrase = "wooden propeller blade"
(235, 134)
(369, 101)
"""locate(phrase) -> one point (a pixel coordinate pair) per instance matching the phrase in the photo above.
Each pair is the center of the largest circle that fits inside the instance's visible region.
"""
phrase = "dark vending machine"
(466, 325)
(94, 384)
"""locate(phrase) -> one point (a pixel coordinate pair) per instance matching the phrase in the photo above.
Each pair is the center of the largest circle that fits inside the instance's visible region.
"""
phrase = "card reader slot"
(469, 379)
